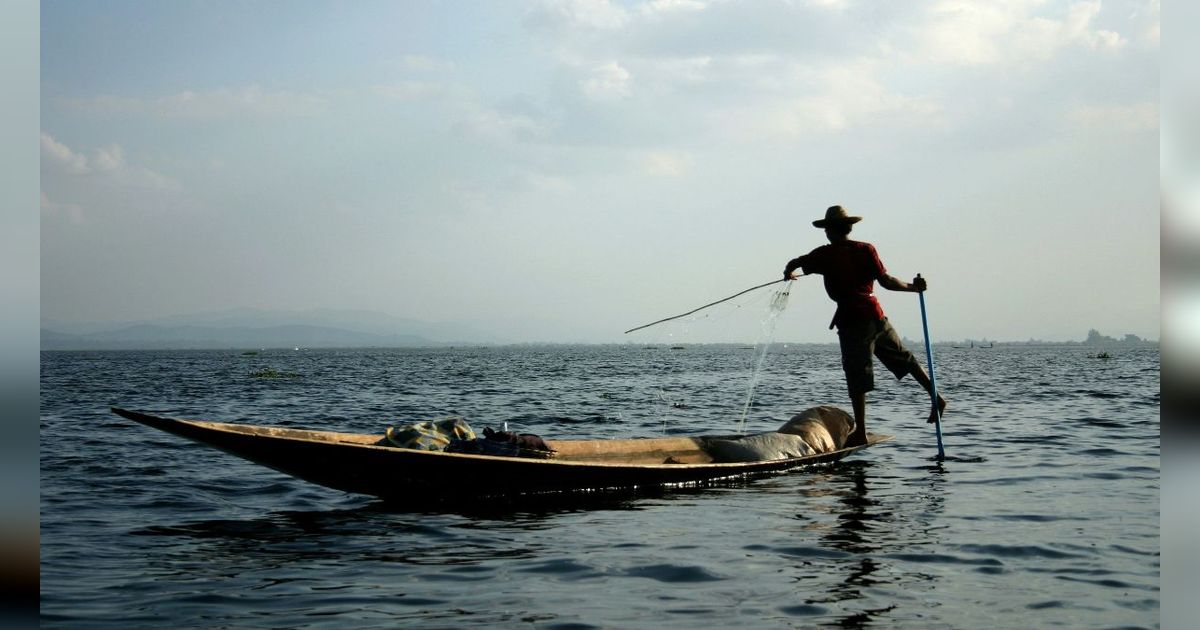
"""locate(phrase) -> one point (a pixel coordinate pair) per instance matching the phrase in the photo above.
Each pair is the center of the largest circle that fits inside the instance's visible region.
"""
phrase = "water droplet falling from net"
(778, 304)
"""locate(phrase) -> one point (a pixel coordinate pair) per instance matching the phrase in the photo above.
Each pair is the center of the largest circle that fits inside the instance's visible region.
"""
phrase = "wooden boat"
(358, 463)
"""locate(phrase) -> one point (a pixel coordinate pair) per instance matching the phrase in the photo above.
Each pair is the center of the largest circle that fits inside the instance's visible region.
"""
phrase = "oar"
(932, 379)
(667, 319)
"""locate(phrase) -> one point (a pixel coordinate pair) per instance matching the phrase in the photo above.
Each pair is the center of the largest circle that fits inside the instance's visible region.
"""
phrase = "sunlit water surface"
(1046, 515)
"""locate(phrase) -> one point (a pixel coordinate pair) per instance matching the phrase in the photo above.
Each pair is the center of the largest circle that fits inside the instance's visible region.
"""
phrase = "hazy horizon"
(476, 332)
(566, 170)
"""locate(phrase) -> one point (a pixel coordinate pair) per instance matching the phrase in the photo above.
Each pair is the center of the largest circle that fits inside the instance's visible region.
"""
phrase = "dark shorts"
(859, 340)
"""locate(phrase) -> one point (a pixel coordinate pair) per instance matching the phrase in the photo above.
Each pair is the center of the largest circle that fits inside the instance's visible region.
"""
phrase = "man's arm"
(792, 265)
(892, 283)
(807, 263)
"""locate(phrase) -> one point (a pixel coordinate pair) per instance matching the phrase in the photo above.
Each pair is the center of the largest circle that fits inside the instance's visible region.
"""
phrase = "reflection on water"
(869, 522)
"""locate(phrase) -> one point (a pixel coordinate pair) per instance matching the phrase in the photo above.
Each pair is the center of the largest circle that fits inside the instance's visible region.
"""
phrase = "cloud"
(106, 166)
(1151, 17)
(1077, 27)
(110, 159)
(496, 125)
(607, 82)
(833, 5)
(1136, 117)
(1151, 34)
(422, 63)
(548, 184)
(568, 15)
(413, 91)
(666, 163)
(978, 32)
(830, 99)
(678, 71)
(73, 212)
(252, 101)
(60, 156)
(661, 7)
(461, 108)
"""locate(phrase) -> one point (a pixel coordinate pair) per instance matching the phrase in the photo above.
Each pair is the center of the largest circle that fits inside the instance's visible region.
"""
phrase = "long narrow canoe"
(358, 463)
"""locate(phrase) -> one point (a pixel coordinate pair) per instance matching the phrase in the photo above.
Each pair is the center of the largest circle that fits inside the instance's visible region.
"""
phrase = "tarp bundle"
(430, 435)
(815, 430)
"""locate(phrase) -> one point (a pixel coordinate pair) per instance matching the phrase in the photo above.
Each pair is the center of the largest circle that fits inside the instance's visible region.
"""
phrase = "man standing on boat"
(850, 270)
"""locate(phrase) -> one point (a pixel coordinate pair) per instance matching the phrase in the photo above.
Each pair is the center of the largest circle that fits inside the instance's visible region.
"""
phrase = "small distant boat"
(359, 463)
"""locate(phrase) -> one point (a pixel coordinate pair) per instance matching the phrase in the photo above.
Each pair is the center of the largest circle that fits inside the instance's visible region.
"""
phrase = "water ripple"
(1046, 513)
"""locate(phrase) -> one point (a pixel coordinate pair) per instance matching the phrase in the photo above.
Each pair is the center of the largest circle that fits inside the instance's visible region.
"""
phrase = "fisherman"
(850, 269)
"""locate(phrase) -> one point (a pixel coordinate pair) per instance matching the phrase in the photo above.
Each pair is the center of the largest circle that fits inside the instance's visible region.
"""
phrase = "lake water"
(1045, 515)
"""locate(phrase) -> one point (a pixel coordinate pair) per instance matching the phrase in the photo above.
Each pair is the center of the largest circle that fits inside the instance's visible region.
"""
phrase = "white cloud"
(551, 184)
(107, 165)
(836, 98)
(566, 15)
(492, 124)
(408, 91)
(1136, 117)
(60, 156)
(1151, 34)
(422, 63)
(252, 101)
(607, 82)
(679, 70)
(1077, 27)
(461, 108)
(468, 197)
(73, 212)
(661, 7)
(109, 159)
(1149, 16)
(835, 5)
(666, 163)
(103, 105)
(976, 32)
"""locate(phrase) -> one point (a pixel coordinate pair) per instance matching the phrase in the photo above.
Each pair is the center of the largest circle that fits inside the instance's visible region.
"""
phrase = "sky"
(566, 170)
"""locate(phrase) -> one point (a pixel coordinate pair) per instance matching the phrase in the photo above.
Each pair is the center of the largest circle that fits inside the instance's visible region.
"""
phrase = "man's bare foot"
(855, 439)
(936, 414)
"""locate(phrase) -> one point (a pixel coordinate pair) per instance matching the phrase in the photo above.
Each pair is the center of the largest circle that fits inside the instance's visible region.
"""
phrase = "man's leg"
(900, 361)
(859, 403)
(856, 341)
(922, 377)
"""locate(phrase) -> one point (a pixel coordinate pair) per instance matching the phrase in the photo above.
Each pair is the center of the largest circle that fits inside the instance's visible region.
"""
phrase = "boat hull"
(355, 463)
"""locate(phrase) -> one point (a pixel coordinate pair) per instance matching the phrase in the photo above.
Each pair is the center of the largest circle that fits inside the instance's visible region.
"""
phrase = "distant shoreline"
(954, 345)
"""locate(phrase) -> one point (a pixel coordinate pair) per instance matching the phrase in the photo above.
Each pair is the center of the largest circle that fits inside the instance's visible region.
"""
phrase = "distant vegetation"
(1094, 338)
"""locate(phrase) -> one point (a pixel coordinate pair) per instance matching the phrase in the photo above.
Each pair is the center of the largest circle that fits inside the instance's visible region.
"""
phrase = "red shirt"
(850, 270)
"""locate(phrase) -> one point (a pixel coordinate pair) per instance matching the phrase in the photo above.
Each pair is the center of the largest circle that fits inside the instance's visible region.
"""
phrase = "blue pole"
(932, 379)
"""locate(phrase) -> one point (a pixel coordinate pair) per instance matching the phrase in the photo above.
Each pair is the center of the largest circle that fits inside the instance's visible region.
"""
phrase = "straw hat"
(835, 215)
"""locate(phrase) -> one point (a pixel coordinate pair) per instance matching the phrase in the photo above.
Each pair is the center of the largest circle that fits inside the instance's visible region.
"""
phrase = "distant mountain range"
(246, 328)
